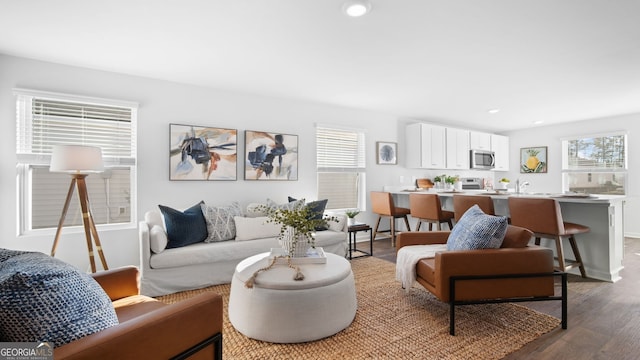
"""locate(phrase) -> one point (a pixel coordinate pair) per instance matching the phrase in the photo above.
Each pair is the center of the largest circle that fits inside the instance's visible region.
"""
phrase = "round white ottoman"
(279, 309)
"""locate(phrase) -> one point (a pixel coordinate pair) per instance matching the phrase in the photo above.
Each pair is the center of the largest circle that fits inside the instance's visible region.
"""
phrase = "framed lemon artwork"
(533, 159)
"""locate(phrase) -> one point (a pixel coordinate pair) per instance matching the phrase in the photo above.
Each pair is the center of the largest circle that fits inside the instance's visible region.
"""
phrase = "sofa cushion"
(516, 238)
(255, 228)
(153, 218)
(425, 269)
(477, 230)
(184, 228)
(316, 211)
(45, 299)
(338, 223)
(255, 210)
(220, 224)
(293, 205)
(157, 239)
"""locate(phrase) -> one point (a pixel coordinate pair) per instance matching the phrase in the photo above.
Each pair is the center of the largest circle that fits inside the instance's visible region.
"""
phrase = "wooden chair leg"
(450, 224)
(538, 241)
(561, 264)
(393, 232)
(418, 224)
(576, 254)
(375, 229)
(406, 223)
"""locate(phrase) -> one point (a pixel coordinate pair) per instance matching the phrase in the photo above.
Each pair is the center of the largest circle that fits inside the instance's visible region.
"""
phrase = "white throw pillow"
(253, 210)
(339, 224)
(158, 239)
(255, 228)
(294, 205)
(154, 217)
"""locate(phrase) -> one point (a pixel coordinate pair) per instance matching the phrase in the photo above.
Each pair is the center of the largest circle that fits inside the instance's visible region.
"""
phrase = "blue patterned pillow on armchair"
(477, 230)
(46, 299)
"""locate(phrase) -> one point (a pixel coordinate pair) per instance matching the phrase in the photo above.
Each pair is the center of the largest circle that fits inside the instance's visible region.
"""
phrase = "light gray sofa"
(204, 264)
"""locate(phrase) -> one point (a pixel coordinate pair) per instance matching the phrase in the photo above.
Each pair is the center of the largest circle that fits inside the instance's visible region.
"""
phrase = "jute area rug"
(393, 324)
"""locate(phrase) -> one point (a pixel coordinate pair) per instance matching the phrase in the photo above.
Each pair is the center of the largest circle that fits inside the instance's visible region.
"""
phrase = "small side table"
(353, 231)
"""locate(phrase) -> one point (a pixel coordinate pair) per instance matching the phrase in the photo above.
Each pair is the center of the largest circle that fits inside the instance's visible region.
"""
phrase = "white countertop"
(577, 198)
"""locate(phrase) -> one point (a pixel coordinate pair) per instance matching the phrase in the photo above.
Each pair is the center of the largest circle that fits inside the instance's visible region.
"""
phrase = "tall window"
(46, 119)
(595, 164)
(341, 167)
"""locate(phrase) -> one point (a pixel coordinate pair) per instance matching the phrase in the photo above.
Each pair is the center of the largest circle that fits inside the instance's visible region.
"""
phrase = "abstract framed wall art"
(533, 159)
(386, 153)
(202, 153)
(270, 156)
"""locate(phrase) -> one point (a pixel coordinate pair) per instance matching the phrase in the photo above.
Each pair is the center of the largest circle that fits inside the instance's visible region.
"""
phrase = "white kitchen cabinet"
(500, 147)
(479, 140)
(425, 146)
(457, 149)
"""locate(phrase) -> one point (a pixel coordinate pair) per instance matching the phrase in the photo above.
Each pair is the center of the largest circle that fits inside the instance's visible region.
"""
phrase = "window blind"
(43, 122)
(340, 150)
(341, 166)
(46, 119)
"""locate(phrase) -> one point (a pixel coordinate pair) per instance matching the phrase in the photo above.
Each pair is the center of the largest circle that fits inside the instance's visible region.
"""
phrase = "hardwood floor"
(604, 318)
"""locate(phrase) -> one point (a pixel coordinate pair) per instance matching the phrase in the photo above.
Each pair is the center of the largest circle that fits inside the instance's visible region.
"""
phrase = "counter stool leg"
(576, 254)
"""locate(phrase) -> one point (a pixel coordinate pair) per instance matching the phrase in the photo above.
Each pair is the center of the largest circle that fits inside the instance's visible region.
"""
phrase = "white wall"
(162, 103)
(551, 136)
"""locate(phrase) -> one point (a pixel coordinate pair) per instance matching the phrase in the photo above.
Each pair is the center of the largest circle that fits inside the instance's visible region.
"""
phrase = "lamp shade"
(78, 159)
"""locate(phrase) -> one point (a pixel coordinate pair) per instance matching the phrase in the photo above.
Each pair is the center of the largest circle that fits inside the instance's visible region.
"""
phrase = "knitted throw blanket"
(408, 257)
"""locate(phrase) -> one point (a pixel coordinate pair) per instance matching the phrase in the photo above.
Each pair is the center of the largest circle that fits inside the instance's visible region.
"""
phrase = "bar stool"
(462, 203)
(382, 204)
(428, 208)
(543, 217)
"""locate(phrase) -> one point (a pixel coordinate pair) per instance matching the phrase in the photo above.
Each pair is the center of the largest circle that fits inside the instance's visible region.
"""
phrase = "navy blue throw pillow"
(316, 211)
(184, 227)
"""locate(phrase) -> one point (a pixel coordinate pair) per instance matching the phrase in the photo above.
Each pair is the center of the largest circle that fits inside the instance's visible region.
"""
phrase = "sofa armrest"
(119, 283)
(532, 259)
(159, 334)
(144, 246)
(529, 260)
(421, 238)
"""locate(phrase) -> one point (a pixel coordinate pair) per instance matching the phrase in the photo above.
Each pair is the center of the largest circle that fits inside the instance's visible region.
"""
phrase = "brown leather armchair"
(514, 273)
(148, 328)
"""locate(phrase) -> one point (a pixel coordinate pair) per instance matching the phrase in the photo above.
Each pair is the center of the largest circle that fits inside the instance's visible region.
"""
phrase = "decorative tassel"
(299, 275)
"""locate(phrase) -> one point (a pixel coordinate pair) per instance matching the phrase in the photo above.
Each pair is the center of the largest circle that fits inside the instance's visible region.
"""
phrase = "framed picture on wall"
(533, 159)
(202, 153)
(386, 153)
(270, 156)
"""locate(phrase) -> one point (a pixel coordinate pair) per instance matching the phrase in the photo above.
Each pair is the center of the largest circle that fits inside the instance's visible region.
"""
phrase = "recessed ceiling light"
(356, 8)
(493, 111)
(538, 122)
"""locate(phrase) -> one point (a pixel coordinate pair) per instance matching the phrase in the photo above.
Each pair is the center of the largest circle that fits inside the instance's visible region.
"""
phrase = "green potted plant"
(438, 181)
(451, 180)
(503, 184)
(297, 227)
(351, 215)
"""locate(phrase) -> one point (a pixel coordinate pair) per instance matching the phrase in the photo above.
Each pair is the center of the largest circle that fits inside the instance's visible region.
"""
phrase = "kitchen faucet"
(520, 187)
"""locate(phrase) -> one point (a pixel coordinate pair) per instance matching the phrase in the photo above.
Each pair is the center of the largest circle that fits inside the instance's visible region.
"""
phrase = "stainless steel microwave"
(482, 159)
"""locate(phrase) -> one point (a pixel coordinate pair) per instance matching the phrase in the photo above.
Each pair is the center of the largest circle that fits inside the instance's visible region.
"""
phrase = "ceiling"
(446, 61)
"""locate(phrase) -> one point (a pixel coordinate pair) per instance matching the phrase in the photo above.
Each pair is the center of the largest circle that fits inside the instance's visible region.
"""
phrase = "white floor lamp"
(79, 161)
